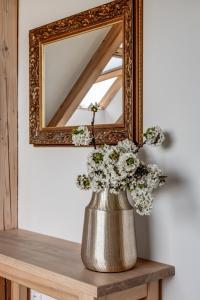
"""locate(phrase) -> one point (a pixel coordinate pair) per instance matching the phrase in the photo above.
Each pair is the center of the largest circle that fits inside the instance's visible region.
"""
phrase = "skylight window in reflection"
(114, 63)
(97, 92)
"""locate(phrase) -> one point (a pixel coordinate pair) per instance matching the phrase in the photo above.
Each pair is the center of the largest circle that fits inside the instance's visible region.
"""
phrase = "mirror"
(91, 57)
(84, 69)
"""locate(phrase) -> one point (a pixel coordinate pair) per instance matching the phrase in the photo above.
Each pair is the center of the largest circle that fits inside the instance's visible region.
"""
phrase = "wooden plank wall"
(8, 122)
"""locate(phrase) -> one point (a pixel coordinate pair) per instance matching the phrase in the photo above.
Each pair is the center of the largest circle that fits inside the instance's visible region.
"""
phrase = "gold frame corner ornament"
(131, 14)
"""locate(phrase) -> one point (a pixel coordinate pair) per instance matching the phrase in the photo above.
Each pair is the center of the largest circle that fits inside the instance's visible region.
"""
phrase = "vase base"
(109, 271)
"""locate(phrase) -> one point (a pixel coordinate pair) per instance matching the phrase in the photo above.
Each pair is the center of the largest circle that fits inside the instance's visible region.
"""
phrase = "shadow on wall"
(183, 208)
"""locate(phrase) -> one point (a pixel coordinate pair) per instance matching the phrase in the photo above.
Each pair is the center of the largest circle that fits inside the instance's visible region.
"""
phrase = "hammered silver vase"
(108, 243)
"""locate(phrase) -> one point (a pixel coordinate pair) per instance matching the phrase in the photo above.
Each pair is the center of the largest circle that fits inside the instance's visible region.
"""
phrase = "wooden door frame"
(8, 122)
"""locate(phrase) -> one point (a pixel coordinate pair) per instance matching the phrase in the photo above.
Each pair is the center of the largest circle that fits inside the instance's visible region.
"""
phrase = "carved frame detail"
(131, 14)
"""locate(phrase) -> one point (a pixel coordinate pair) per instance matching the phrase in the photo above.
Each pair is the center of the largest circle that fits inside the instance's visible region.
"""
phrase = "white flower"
(99, 175)
(98, 183)
(95, 160)
(83, 182)
(154, 136)
(144, 204)
(112, 155)
(154, 177)
(105, 148)
(138, 188)
(127, 146)
(94, 107)
(116, 180)
(127, 164)
(81, 136)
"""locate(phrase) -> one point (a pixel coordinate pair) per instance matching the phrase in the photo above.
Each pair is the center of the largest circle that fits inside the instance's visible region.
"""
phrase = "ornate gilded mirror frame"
(131, 14)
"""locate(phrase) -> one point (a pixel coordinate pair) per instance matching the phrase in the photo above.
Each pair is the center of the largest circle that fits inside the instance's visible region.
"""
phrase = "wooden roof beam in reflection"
(115, 87)
(89, 76)
(110, 74)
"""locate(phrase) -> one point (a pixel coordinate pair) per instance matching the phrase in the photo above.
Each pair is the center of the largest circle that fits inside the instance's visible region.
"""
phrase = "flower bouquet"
(108, 243)
(119, 168)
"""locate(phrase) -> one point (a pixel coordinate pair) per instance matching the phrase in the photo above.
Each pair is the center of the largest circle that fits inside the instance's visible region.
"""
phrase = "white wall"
(49, 201)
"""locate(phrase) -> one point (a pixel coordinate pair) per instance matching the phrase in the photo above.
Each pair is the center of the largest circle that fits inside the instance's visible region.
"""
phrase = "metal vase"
(108, 243)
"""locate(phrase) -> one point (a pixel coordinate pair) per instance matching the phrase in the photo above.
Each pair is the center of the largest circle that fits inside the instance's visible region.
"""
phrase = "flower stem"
(93, 135)
(140, 146)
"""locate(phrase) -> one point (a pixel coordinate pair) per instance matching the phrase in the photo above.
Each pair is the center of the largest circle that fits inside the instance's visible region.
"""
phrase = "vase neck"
(105, 200)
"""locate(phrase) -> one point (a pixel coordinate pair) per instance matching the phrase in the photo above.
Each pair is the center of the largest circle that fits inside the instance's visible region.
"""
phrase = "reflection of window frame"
(117, 84)
(116, 60)
(109, 93)
(110, 74)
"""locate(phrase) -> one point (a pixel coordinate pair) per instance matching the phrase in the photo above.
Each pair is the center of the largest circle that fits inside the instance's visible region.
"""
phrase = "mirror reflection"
(80, 70)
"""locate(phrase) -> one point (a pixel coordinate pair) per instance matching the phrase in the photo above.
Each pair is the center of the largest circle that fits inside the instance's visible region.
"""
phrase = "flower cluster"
(146, 180)
(81, 136)
(83, 182)
(154, 136)
(118, 168)
(108, 167)
(94, 107)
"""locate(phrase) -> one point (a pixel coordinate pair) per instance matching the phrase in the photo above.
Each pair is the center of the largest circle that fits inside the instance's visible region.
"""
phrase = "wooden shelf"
(53, 266)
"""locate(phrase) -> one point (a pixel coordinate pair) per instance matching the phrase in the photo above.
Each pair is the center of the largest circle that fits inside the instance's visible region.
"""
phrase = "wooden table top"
(58, 261)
